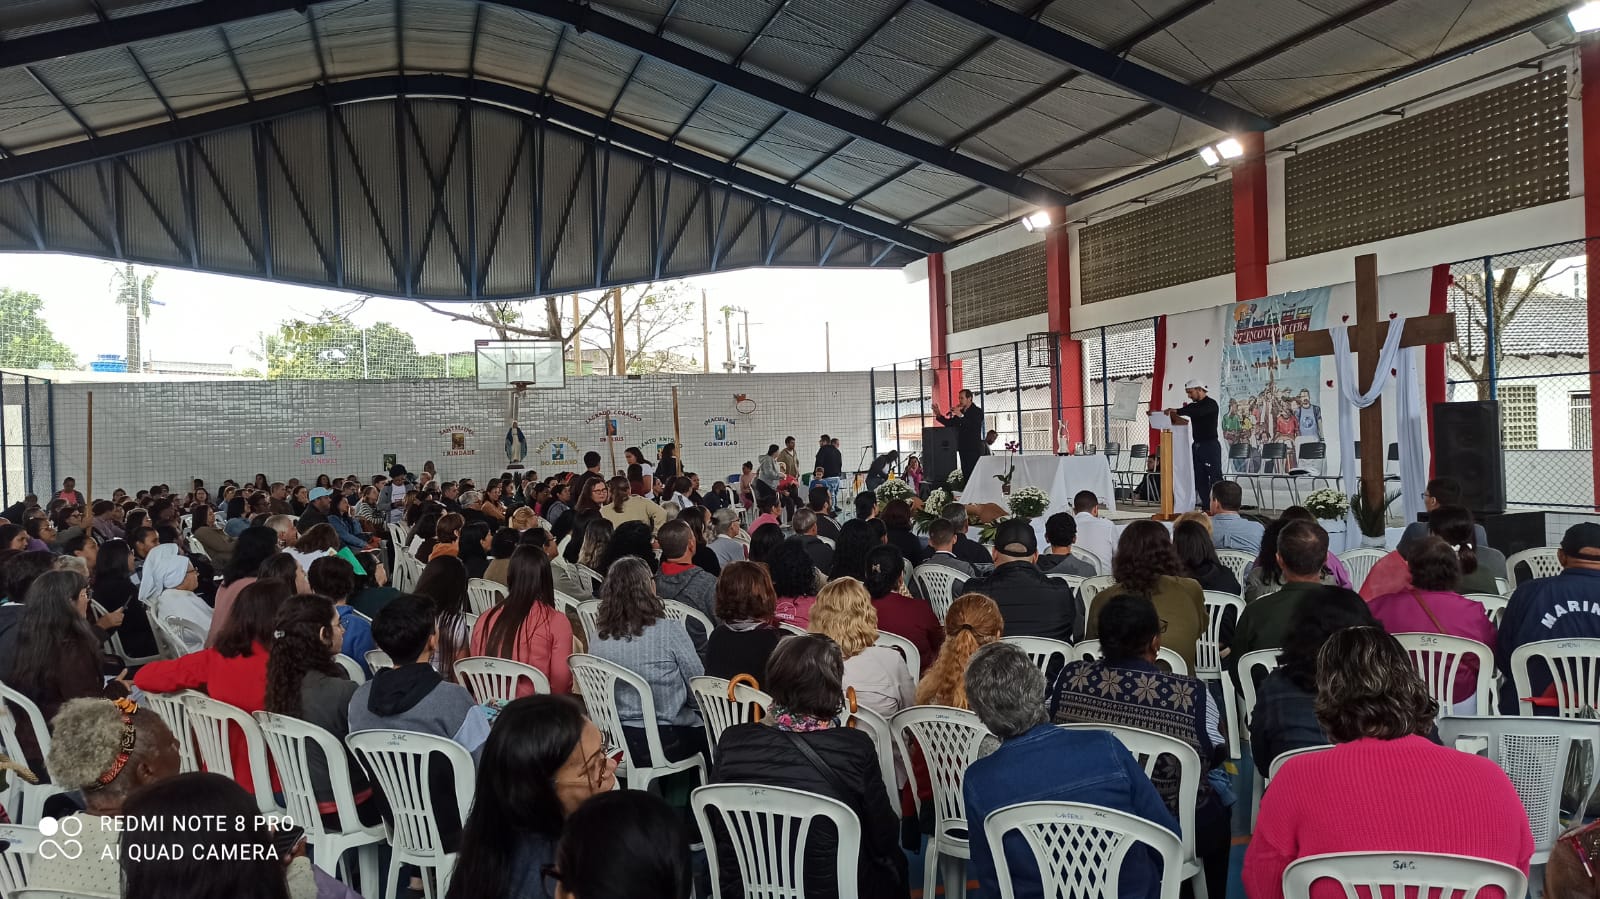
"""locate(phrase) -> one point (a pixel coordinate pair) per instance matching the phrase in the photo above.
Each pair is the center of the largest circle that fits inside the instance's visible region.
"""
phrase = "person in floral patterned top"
(1125, 687)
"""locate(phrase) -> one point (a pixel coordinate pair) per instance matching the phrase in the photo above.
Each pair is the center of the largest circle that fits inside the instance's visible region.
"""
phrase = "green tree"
(25, 340)
(331, 347)
(134, 293)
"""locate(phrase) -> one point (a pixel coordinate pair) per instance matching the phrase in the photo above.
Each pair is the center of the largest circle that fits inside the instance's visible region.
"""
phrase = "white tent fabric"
(1393, 361)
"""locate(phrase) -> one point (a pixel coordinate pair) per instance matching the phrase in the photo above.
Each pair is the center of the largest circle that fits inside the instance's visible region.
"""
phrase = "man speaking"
(1201, 414)
(967, 419)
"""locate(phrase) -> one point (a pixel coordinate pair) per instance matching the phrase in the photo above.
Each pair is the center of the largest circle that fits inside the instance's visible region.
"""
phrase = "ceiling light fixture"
(1585, 17)
(1036, 221)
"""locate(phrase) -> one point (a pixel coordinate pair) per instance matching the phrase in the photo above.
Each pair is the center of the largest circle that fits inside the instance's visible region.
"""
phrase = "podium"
(1177, 468)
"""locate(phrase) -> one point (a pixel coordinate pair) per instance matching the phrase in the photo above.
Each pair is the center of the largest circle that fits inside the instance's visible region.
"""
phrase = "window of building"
(1519, 414)
(1581, 423)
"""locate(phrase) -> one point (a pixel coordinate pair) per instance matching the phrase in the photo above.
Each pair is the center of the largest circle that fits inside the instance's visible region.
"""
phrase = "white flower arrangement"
(1328, 504)
(956, 480)
(889, 491)
(937, 499)
(1029, 502)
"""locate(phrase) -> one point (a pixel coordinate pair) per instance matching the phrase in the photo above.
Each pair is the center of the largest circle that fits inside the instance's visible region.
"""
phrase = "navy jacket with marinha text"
(1551, 608)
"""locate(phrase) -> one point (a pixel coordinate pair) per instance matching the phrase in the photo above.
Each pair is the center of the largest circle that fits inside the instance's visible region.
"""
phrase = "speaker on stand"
(938, 455)
(1467, 448)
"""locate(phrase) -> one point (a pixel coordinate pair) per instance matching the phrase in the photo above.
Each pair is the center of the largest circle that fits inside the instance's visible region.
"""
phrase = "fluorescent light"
(1230, 148)
(1209, 154)
(1039, 220)
(1585, 17)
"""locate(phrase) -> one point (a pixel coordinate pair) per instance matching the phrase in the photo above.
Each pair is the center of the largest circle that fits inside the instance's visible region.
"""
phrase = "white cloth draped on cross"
(1400, 364)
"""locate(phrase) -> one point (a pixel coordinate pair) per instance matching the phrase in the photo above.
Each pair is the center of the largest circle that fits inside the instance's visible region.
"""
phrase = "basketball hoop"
(521, 386)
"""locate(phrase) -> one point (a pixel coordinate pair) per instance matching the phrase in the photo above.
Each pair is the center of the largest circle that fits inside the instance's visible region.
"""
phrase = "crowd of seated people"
(277, 599)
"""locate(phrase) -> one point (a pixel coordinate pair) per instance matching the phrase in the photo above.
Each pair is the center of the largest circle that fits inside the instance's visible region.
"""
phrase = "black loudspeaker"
(938, 455)
(1466, 447)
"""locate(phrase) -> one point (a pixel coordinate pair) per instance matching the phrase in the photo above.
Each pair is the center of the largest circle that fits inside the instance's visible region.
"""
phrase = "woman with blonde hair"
(974, 621)
(882, 682)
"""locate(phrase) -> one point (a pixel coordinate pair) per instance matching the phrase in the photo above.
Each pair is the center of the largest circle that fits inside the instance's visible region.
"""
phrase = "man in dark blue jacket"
(1554, 608)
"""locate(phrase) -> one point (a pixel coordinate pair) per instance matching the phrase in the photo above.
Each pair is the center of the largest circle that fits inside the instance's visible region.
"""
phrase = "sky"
(876, 317)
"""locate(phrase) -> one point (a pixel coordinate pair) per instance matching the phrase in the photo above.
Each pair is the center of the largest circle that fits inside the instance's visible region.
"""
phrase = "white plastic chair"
(1493, 606)
(794, 629)
(487, 678)
(351, 667)
(1541, 561)
(906, 648)
(1574, 665)
(1089, 651)
(399, 535)
(950, 740)
(1208, 658)
(938, 586)
(719, 712)
(168, 642)
(1147, 748)
(877, 727)
(115, 641)
(1403, 874)
(1438, 659)
(1278, 763)
(1075, 581)
(1088, 590)
(683, 613)
(566, 604)
(482, 595)
(1359, 563)
(1534, 753)
(1042, 651)
(1237, 562)
(377, 659)
(22, 843)
(768, 828)
(1253, 666)
(24, 801)
(1503, 585)
(594, 577)
(170, 708)
(1091, 558)
(288, 740)
(599, 680)
(400, 763)
(210, 720)
(589, 617)
(1078, 844)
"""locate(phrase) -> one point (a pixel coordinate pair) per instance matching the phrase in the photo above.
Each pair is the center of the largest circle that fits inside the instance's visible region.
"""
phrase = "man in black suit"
(967, 419)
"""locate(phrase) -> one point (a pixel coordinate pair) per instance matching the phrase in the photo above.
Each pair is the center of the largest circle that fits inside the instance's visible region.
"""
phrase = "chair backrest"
(1139, 451)
(1574, 665)
(13, 703)
(950, 739)
(589, 617)
(1252, 667)
(907, 649)
(1359, 563)
(486, 677)
(598, 679)
(1089, 650)
(1541, 562)
(566, 604)
(1277, 763)
(22, 843)
(1075, 581)
(400, 763)
(877, 727)
(167, 640)
(1043, 651)
(287, 740)
(377, 658)
(683, 613)
(210, 720)
(1237, 562)
(351, 668)
(1404, 874)
(1534, 753)
(794, 629)
(1089, 589)
(1208, 650)
(1078, 844)
(1493, 606)
(594, 577)
(483, 594)
(169, 706)
(399, 535)
(1147, 748)
(938, 585)
(1438, 659)
(768, 828)
(719, 712)
(1087, 556)
(1313, 451)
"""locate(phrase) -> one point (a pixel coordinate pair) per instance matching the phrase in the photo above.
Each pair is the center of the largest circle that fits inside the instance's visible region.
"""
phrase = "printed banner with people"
(1273, 400)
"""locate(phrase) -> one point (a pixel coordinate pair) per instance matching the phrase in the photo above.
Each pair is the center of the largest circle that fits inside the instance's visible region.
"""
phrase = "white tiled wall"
(153, 433)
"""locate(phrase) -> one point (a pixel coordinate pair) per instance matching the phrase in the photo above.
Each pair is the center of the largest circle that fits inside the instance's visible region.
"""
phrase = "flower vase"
(1338, 535)
(1374, 542)
(1005, 489)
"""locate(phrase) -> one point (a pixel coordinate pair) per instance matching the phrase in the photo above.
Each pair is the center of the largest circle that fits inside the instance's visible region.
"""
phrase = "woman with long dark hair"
(794, 580)
(764, 540)
(631, 538)
(444, 582)
(474, 544)
(218, 546)
(542, 760)
(57, 655)
(1453, 525)
(166, 860)
(115, 590)
(1198, 555)
(1266, 577)
(526, 627)
(850, 550)
(1146, 564)
(898, 613)
(667, 467)
(254, 546)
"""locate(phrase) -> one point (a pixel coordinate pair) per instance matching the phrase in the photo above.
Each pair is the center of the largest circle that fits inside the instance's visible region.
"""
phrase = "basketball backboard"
(502, 363)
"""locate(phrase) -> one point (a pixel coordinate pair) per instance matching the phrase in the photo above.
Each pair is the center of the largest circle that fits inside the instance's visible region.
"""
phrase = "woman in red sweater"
(1384, 786)
(898, 613)
(527, 627)
(234, 668)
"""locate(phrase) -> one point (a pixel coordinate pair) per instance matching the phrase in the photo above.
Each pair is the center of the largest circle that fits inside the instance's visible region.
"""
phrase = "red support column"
(944, 385)
(1434, 373)
(1066, 378)
(1250, 219)
(1589, 56)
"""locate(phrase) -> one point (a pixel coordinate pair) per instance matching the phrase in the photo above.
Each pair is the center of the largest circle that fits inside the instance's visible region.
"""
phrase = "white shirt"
(189, 607)
(1097, 535)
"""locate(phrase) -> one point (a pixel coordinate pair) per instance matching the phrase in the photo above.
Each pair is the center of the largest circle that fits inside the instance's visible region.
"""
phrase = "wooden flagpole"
(88, 489)
(677, 433)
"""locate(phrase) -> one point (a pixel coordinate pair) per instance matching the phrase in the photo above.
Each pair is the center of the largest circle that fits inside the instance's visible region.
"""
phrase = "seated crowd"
(275, 598)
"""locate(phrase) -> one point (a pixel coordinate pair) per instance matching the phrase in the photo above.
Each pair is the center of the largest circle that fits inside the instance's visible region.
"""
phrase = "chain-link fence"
(1522, 339)
(27, 436)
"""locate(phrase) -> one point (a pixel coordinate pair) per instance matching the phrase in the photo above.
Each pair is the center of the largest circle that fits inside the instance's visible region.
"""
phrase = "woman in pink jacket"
(527, 627)
(1431, 605)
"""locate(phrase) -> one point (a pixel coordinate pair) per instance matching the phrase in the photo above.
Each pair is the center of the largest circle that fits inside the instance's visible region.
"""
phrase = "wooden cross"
(1366, 339)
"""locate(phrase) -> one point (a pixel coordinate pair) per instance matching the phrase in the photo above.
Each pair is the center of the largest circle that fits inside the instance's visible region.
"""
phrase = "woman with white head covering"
(167, 587)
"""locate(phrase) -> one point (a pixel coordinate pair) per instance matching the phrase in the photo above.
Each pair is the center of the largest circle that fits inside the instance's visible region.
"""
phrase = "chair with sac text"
(950, 740)
(1440, 658)
(1574, 668)
(210, 720)
(765, 831)
(401, 764)
(1078, 848)
(724, 704)
(1404, 874)
(599, 681)
(488, 678)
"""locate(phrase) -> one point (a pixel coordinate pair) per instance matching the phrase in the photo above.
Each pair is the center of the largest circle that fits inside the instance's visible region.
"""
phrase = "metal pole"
(827, 346)
(50, 408)
(922, 401)
(705, 335)
(5, 457)
(88, 489)
(894, 370)
(577, 339)
(364, 356)
(872, 406)
(1492, 366)
(27, 435)
(1105, 388)
(749, 358)
(1016, 379)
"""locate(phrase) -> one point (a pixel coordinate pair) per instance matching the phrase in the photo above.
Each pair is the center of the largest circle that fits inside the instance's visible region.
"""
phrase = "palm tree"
(133, 293)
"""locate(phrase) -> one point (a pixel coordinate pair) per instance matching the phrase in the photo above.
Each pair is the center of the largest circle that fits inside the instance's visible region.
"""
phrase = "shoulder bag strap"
(1429, 612)
(816, 762)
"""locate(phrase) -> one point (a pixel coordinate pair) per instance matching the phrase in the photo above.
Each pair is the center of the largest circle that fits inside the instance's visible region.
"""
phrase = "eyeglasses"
(1163, 625)
(551, 877)
(1586, 842)
(597, 766)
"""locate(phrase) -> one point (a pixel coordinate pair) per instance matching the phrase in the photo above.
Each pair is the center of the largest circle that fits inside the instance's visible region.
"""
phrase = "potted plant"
(1005, 479)
(1372, 520)
(925, 516)
(891, 490)
(956, 480)
(1029, 503)
(1331, 507)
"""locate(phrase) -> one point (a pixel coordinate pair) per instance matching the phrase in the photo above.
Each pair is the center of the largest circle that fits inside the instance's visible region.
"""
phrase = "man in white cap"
(1201, 414)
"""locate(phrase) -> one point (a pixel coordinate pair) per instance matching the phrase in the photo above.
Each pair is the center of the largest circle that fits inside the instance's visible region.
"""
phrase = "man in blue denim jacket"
(1038, 761)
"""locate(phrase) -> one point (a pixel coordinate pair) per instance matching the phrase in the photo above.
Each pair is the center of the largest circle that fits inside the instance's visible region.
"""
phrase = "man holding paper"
(1201, 414)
